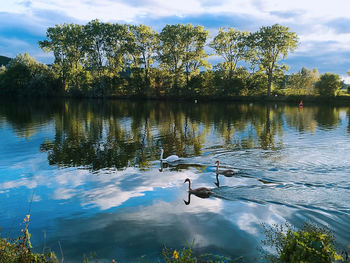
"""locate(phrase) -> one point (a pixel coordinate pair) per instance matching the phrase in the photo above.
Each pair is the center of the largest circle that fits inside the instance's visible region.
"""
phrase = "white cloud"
(309, 19)
(346, 79)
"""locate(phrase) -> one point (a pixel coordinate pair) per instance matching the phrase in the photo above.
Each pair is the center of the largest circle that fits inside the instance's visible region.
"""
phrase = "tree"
(117, 37)
(272, 43)
(95, 35)
(182, 50)
(195, 56)
(67, 44)
(143, 49)
(25, 76)
(232, 46)
(329, 84)
(303, 82)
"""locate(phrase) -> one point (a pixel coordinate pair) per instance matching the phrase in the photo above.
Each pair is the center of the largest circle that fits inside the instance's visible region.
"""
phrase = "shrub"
(19, 250)
(329, 84)
(309, 244)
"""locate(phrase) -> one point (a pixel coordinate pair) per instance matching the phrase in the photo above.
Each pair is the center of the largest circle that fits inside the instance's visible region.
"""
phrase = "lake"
(88, 173)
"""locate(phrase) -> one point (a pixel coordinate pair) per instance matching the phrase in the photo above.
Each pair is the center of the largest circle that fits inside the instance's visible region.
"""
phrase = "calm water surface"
(89, 175)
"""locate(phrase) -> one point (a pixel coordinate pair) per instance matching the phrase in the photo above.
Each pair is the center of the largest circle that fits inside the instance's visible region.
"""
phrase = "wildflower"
(8, 244)
(26, 219)
(175, 254)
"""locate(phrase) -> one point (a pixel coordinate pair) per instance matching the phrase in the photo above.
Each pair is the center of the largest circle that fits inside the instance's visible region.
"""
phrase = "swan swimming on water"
(227, 173)
(169, 159)
(202, 192)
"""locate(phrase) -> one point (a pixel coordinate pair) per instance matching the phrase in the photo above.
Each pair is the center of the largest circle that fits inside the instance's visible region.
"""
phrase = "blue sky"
(322, 26)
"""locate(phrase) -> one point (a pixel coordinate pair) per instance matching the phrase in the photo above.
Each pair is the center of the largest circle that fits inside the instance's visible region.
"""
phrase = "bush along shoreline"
(309, 244)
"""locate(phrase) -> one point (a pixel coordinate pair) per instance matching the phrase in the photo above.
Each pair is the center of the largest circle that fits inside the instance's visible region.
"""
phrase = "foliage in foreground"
(185, 255)
(309, 244)
(19, 250)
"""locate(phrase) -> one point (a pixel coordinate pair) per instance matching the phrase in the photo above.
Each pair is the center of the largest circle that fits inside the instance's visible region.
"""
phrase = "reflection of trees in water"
(308, 118)
(26, 115)
(327, 117)
(129, 134)
(348, 115)
(100, 134)
(303, 119)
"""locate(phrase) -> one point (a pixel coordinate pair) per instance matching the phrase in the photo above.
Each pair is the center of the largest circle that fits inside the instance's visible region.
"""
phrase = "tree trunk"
(269, 84)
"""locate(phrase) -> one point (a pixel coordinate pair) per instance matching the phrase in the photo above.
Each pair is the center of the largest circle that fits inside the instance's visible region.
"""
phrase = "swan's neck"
(189, 186)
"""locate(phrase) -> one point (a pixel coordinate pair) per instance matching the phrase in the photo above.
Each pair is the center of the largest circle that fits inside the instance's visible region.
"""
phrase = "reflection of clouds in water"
(110, 196)
(63, 194)
(35, 198)
(105, 189)
(30, 183)
(134, 232)
(247, 222)
(248, 216)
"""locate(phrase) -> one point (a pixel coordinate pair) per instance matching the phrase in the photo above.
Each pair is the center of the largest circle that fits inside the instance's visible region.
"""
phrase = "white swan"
(169, 159)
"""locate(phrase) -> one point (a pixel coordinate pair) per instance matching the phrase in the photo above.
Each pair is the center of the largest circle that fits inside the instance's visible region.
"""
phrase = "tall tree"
(143, 48)
(182, 49)
(232, 46)
(66, 42)
(272, 43)
(195, 56)
(95, 36)
(117, 37)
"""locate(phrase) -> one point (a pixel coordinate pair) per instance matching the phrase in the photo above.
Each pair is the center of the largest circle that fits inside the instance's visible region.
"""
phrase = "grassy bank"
(310, 244)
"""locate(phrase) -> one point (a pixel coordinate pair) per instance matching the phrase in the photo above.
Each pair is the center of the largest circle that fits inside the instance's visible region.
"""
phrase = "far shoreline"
(291, 99)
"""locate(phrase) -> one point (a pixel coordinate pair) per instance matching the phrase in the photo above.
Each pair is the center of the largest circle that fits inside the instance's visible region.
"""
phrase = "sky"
(323, 26)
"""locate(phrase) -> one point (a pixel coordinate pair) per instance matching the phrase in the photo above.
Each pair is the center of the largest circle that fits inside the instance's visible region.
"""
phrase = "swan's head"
(187, 180)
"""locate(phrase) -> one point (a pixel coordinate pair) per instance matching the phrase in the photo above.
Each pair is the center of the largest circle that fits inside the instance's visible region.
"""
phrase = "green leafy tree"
(272, 43)
(143, 50)
(118, 58)
(95, 45)
(25, 76)
(182, 50)
(329, 84)
(232, 46)
(303, 82)
(67, 44)
(195, 56)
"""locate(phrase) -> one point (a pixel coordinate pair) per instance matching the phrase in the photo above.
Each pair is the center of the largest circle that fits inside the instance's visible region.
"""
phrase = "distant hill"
(4, 60)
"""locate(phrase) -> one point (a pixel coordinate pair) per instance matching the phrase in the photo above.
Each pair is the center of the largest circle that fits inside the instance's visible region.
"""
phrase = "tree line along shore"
(121, 60)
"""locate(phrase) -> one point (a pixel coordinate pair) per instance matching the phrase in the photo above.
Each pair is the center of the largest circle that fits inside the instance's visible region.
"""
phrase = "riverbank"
(293, 99)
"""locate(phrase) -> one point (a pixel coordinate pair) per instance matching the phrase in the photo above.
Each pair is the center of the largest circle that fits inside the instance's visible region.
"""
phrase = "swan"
(227, 173)
(200, 192)
(169, 159)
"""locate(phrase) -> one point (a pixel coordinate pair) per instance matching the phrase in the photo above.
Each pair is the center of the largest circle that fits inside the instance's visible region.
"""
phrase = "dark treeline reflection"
(102, 134)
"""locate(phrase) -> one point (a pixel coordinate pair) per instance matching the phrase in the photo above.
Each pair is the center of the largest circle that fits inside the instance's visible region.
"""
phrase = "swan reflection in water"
(201, 192)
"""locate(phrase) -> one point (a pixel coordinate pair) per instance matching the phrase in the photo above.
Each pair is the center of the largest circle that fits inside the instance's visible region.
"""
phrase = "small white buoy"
(195, 101)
